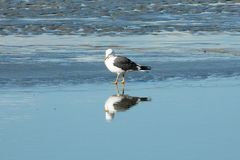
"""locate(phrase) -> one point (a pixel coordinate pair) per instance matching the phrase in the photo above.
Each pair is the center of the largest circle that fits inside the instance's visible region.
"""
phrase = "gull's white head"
(108, 52)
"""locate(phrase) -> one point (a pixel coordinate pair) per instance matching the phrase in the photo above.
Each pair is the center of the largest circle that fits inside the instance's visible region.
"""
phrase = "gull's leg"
(123, 81)
(116, 81)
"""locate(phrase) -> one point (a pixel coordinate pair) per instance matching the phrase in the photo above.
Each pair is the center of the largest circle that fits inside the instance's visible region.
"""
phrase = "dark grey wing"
(124, 63)
(125, 103)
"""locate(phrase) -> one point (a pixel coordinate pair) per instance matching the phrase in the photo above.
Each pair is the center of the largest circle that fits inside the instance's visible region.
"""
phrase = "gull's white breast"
(109, 63)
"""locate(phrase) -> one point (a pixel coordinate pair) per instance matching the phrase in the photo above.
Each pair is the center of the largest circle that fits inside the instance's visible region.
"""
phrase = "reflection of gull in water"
(120, 103)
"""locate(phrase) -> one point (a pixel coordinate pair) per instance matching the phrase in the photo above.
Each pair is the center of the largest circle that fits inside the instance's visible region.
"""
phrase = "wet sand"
(185, 119)
(71, 59)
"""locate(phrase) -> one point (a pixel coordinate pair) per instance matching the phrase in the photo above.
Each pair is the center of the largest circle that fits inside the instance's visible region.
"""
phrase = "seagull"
(120, 103)
(120, 65)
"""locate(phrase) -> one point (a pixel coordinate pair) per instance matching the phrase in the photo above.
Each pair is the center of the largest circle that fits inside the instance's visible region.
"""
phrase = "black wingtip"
(145, 68)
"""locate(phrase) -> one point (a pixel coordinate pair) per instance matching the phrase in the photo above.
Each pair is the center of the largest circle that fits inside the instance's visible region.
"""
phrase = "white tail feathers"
(143, 68)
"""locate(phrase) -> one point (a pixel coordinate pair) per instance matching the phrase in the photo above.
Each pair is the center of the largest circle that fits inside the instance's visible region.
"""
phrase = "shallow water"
(192, 119)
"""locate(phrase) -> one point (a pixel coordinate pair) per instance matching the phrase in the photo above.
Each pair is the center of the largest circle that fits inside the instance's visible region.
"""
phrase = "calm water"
(183, 120)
